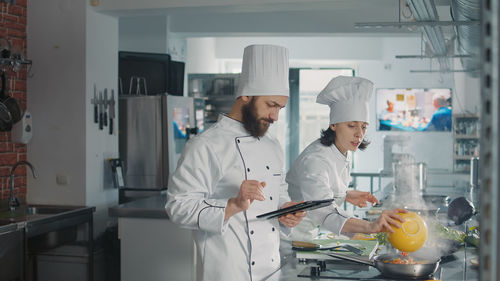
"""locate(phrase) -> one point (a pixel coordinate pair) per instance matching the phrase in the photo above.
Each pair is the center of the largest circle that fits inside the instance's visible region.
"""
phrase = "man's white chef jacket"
(209, 172)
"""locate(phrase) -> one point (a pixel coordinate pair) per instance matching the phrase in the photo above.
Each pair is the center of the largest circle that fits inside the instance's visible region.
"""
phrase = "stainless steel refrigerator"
(152, 133)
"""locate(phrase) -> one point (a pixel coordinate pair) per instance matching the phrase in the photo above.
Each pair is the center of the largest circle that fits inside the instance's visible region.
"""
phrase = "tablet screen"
(307, 205)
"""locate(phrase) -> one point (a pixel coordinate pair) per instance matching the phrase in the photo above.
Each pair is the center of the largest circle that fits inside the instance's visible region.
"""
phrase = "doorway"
(302, 120)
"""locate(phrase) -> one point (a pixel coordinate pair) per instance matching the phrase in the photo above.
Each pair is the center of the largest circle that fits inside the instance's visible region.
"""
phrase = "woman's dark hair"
(328, 138)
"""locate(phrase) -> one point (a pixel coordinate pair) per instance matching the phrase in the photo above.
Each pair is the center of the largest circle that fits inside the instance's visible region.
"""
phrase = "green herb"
(447, 232)
(382, 238)
(472, 237)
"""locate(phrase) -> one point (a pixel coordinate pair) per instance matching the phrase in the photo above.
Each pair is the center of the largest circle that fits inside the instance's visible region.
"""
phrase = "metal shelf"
(469, 137)
(462, 157)
(465, 116)
(465, 139)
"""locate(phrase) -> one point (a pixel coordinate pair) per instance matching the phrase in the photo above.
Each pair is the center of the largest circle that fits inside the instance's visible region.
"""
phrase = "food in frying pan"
(408, 260)
(405, 259)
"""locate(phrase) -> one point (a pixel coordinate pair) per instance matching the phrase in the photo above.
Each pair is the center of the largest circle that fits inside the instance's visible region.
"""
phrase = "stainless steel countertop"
(9, 227)
(46, 218)
(459, 268)
(150, 207)
(455, 267)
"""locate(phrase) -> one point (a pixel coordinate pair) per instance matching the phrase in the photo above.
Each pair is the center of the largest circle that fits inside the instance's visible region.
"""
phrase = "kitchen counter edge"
(150, 207)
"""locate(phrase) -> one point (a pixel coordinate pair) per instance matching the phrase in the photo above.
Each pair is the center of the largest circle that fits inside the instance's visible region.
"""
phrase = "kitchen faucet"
(13, 202)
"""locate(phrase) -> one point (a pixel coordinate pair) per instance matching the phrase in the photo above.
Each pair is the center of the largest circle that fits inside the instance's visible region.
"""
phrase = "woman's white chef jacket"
(321, 172)
(210, 171)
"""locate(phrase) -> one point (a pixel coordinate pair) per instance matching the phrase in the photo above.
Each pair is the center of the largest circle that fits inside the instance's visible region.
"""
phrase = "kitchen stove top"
(346, 270)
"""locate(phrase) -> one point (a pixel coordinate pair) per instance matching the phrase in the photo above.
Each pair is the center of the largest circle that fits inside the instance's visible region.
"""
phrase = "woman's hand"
(386, 220)
(291, 220)
(359, 198)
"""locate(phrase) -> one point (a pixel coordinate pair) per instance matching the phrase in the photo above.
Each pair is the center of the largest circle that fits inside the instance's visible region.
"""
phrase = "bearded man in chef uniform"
(233, 172)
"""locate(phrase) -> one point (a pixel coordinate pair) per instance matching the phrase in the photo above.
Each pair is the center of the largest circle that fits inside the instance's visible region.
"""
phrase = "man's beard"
(252, 123)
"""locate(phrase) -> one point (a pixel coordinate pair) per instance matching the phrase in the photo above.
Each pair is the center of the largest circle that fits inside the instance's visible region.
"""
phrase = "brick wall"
(13, 28)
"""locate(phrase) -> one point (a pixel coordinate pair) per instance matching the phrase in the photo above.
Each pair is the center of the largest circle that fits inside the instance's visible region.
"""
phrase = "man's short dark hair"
(328, 138)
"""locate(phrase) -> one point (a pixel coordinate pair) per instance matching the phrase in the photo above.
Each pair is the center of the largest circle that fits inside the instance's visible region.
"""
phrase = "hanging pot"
(5, 118)
(9, 102)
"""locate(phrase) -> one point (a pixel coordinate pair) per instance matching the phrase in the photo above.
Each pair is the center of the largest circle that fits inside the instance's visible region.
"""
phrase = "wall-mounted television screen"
(414, 110)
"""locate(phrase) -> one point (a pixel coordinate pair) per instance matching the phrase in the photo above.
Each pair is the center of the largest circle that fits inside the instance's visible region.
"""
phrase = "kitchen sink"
(42, 228)
(39, 219)
(4, 222)
(48, 210)
(7, 226)
(11, 217)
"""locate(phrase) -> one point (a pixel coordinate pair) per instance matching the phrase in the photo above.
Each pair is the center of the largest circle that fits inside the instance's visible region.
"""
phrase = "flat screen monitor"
(414, 110)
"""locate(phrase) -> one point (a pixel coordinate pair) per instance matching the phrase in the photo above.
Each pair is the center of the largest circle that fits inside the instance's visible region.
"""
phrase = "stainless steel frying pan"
(5, 118)
(10, 104)
(394, 270)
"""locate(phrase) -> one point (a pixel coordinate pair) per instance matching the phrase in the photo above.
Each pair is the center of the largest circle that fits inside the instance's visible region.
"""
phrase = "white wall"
(307, 48)
(56, 99)
(371, 57)
(467, 91)
(143, 34)
(176, 46)
(69, 55)
(101, 70)
(201, 56)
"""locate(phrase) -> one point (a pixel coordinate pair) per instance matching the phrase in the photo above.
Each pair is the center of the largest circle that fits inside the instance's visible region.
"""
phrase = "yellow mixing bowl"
(411, 235)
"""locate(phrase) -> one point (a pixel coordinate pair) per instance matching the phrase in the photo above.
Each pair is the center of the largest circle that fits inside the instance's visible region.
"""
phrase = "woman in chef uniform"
(233, 172)
(322, 170)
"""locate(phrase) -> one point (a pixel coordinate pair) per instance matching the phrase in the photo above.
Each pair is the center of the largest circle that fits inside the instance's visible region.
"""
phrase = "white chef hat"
(348, 98)
(264, 71)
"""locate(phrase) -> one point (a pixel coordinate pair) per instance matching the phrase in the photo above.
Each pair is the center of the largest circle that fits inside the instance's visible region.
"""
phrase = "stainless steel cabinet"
(153, 131)
(11, 255)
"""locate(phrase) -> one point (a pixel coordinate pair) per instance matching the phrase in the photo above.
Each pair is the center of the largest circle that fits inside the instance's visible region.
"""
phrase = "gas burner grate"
(351, 271)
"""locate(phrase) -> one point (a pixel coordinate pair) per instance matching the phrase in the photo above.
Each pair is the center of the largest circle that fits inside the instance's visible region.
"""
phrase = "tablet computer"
(307, 205)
